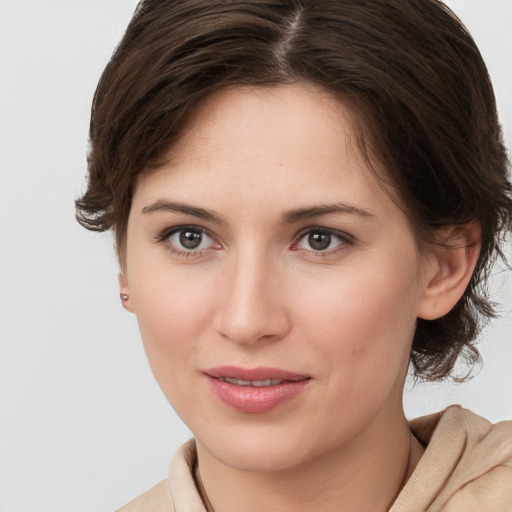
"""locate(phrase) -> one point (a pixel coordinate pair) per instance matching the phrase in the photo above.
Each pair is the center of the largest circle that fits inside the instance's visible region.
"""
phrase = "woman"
(307, 197)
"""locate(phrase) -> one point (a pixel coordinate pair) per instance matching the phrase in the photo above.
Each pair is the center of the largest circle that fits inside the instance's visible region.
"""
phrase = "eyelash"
(344, 241)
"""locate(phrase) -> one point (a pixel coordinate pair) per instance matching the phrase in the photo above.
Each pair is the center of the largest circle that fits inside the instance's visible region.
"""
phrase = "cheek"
(172, 311)
(365, 320)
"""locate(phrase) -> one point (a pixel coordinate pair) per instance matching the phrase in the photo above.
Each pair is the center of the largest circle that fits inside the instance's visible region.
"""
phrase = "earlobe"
(124, 293)
(450, 269)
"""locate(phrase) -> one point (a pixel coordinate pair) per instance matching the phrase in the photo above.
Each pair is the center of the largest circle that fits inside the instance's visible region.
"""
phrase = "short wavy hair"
(409, 70)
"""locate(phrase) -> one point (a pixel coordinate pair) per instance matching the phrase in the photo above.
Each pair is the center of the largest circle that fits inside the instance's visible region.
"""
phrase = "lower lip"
(256, 400)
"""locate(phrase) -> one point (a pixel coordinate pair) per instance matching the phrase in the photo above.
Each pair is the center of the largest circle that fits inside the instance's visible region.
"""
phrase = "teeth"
(254, 383)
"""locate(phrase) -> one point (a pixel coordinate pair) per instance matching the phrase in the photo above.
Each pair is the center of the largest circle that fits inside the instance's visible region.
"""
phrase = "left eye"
(190, 239)
(319, 240)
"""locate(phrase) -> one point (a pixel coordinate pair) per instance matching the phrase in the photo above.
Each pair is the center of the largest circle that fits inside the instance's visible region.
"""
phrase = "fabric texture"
(466, 467)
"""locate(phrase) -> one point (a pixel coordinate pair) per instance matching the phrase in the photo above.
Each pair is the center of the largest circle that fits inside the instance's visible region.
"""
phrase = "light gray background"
(83, 426)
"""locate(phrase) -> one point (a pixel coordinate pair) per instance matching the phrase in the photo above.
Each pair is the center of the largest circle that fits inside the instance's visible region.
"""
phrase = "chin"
(260, 450)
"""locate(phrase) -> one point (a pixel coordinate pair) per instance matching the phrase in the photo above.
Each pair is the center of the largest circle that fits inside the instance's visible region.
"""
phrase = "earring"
(124, 297)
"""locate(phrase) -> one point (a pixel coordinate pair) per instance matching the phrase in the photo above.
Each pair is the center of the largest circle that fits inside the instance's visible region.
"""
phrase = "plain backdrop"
(83, 425)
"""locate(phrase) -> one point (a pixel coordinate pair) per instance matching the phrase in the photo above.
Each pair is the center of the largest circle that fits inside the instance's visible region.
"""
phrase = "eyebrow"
(195, 211)
(289, 217)
(299, 214)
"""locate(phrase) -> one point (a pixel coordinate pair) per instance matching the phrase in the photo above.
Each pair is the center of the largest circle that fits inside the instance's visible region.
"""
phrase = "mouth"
(254, 383)
(255, 391)
(256, 377)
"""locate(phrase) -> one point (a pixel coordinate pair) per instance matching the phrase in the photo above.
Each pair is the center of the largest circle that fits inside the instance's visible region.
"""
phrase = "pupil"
(190, 239)
(319, 241)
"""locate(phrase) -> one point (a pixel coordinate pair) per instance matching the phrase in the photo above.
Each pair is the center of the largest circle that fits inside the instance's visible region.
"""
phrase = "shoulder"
(461, 431)
(156, 499)
(482, 478)
(178, 493)
(467, 464)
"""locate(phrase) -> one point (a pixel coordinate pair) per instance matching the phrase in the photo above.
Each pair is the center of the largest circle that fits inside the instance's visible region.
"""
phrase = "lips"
(254, 383)
(255, 390)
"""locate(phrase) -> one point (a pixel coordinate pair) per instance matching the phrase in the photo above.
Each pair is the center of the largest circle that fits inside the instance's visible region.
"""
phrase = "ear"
(449, 269)
(124, 291)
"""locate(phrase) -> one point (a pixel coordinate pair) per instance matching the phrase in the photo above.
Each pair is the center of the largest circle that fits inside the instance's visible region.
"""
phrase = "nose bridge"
(250, 307)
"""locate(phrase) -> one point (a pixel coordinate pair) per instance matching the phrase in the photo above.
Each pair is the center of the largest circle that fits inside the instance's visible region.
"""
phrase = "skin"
(258, 294)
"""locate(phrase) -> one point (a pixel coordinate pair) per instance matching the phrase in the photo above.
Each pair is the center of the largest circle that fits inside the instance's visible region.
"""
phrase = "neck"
(365, 475)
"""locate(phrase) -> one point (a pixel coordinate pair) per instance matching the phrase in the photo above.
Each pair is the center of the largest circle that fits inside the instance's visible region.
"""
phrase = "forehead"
(268, 119)
(281, 147)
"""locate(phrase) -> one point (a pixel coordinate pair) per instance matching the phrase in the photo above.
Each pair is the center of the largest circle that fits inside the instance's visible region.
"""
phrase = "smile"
(254, 383)
(255, 391)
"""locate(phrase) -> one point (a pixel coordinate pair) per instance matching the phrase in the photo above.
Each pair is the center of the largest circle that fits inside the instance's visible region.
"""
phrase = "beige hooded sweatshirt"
(466, 467)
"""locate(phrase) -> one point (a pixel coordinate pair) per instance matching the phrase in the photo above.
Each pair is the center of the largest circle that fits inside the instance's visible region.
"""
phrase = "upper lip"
(254, 374)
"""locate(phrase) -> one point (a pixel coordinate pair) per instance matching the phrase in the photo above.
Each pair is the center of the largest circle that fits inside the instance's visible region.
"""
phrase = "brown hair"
(410, 70)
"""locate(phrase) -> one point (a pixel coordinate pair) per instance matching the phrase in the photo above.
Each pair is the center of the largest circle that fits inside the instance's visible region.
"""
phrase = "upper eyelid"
(337, 232)
(168, 232)
(301, 233)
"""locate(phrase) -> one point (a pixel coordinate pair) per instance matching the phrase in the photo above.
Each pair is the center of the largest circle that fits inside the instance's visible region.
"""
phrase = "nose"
(251, 306)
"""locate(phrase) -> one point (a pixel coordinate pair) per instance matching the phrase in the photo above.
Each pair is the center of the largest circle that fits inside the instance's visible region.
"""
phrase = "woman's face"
(265, 252)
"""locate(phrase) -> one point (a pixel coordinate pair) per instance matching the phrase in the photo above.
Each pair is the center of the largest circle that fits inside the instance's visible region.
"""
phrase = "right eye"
(188, 240)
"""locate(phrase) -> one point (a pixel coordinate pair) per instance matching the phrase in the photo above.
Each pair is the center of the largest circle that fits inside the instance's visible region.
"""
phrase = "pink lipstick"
(256, 390)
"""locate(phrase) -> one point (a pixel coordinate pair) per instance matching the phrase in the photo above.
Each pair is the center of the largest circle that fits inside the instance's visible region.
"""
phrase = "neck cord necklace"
(202, 491)
(407, 471)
